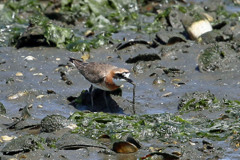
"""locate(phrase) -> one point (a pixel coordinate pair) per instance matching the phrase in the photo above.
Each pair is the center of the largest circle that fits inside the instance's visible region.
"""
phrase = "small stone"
(38, 74)
(39, 106)
(17, 95)
(167, 94)
(89, 33)
(32, 69)
(158, 81)
(29, 58)
(6, 138)
(71, 126)
(19, 74)
(192, 143)
(40, 96)
(177, 153)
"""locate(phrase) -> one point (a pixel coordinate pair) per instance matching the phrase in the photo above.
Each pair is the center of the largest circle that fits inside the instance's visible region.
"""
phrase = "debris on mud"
(173, 72)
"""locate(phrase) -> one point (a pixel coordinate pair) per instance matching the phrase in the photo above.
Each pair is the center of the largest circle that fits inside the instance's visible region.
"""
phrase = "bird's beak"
(130, 81)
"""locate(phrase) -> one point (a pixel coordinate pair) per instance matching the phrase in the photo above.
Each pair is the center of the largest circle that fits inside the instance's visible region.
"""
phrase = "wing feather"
(92, 71)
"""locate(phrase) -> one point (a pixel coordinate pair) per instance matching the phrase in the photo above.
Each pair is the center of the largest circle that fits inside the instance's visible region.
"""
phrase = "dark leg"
(91, 94)
(133, 102)
(105, 98)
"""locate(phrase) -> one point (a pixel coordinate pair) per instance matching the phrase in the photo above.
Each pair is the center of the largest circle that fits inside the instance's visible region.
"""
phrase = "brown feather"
(109, 81)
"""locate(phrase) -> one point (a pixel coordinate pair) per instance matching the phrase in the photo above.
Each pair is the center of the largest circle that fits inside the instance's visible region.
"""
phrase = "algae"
(165, 126)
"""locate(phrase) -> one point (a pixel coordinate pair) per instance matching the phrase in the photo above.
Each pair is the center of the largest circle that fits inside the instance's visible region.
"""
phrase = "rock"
(25, 143)
(170, 37)
(174, 19)
(53, 122)
(196, 24)
(219, 57)
(134, 141)
(33, 36)
(143, 57)
(158, 81)
(210, 37)
(196, 29)
(124, 147)
(76, 141)
(2, 109)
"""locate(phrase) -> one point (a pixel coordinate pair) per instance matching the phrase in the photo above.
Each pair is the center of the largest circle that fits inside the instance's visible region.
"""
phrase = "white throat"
(126, 75)
(119, 82)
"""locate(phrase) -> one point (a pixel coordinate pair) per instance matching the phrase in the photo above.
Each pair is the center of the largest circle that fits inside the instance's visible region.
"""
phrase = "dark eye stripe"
(120, 75)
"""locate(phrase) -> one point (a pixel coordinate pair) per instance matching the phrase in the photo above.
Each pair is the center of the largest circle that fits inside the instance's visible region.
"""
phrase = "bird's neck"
(110, 83)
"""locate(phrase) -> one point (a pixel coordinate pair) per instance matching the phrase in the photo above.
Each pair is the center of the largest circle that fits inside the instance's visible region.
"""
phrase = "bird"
(103, 76)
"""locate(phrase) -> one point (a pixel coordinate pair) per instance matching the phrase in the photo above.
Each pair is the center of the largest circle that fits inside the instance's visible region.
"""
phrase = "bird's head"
(120, 76)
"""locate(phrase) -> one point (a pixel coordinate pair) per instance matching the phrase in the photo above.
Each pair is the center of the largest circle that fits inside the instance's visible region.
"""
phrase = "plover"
(103, 76)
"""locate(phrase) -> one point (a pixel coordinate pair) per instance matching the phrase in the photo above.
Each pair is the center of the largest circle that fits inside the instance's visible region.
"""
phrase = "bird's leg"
(91, 94)
(105, 98)
(133, 102)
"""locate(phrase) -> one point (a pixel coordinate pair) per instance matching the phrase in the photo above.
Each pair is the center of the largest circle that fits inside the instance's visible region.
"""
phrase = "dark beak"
(129, 81)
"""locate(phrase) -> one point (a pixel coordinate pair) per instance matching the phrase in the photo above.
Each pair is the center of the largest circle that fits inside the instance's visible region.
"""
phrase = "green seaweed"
(82, 44)
(164, 127)
(182, 9)
(144, 127)
(54, 34)
(103, 16)
(198, 101)
(58, 35)
(157, 24)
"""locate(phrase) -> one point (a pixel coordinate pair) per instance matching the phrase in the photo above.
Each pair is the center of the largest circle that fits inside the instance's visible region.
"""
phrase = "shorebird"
(103, 76)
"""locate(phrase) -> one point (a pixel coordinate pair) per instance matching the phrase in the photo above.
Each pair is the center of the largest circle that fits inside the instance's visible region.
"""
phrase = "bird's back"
(92, 71)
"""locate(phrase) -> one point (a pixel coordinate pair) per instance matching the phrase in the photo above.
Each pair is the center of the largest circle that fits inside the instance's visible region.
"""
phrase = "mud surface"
(36, 82)
(150, 98)
(41, 75)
